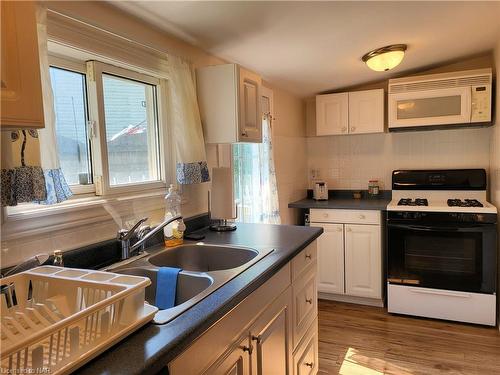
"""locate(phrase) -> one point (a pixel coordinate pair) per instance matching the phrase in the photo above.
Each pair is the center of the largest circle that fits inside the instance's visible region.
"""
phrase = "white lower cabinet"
(331, 253)
(271, 332)
(305, 358)
(363, 261)
(235, 361)
(349, 253)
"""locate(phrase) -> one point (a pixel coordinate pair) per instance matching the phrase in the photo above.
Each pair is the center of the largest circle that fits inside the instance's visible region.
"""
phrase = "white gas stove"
(442, 246)
(468, 201)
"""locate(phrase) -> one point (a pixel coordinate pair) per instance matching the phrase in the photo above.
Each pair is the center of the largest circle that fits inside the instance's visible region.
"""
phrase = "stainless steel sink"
(203, 258)
(205, 268)
(188, 284)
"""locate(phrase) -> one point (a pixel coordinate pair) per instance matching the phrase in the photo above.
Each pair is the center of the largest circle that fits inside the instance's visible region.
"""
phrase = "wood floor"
(363, 340)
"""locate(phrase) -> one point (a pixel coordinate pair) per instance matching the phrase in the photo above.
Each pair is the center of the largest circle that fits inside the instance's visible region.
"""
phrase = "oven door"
(430, 107)
(459, 257)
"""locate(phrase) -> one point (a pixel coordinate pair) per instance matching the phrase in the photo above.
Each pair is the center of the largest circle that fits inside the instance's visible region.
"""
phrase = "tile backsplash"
(349, 162)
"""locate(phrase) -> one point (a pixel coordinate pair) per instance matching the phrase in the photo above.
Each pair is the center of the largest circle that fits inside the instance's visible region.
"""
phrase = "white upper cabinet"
(21, 88)
(332, 114)
(366, 111)
(230, 104)
(357, 112)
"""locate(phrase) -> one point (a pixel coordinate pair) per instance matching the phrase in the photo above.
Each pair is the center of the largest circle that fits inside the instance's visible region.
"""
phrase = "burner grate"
(464, 203)
(411, 202)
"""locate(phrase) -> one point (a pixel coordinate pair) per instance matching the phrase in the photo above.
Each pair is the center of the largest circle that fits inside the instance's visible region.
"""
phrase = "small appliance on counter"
(320, 191)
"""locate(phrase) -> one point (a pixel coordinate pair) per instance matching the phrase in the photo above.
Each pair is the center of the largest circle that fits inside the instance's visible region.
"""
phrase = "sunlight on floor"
(355, 363)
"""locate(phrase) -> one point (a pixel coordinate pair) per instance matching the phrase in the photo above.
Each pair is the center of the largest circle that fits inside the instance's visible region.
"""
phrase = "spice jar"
(373, 187)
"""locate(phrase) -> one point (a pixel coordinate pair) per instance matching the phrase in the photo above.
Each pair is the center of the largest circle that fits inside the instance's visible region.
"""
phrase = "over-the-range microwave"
(440, 100)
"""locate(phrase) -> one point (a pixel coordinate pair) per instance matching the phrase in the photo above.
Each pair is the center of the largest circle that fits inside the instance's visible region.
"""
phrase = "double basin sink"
(205, 268)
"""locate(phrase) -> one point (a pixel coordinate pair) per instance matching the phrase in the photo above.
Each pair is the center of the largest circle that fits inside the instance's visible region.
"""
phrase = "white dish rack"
(55, 319)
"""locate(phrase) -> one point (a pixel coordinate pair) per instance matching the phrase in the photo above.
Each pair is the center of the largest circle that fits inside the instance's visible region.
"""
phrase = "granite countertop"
(342, 199)
(150, 349)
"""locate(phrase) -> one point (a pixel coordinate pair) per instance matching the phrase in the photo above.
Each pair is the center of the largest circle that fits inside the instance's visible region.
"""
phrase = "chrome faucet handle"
(143, 230)
(125, 235)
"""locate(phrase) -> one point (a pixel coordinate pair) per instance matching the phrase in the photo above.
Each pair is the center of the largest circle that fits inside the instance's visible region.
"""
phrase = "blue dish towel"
(166, 287)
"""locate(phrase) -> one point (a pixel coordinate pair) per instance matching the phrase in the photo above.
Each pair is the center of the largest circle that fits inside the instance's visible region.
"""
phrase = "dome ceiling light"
(385, 58)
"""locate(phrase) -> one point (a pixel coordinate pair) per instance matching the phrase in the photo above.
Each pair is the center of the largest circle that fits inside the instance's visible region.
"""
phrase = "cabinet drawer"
(305, 358)
(345, 216)
(304, 259)
(305, 304)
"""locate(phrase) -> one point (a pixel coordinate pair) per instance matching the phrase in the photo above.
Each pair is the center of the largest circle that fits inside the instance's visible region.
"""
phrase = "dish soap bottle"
(173, 233)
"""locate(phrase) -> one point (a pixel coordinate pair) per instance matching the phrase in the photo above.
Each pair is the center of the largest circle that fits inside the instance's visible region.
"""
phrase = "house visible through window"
(70, 104)
(255, 187)
(131, 130)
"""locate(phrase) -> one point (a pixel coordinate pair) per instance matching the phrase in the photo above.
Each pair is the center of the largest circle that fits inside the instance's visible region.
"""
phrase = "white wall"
(495, 160)
(349, 162)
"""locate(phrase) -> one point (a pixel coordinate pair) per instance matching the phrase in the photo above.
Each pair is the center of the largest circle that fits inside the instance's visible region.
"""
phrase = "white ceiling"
(309, 47)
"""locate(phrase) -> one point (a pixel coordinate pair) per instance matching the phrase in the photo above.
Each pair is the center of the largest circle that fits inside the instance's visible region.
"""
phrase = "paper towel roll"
(222, 194)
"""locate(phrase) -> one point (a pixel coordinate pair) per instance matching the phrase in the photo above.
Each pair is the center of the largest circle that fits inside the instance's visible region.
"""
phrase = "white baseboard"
(351, 299)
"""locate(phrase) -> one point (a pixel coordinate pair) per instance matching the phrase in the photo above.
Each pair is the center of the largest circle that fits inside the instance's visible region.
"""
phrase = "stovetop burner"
(464, 203)
(411, 202)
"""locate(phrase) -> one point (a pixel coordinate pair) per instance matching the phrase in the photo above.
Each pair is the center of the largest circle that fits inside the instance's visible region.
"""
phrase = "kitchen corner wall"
(290, 152)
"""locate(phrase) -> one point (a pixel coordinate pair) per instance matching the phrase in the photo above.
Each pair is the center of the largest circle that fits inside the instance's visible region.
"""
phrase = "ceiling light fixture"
(385, 58)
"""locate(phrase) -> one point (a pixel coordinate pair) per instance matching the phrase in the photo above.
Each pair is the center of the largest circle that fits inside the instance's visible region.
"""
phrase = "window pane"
(71, 118)
(131, 130)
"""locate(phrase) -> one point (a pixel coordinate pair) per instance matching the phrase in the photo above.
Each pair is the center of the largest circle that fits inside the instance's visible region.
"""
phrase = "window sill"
(33, 219)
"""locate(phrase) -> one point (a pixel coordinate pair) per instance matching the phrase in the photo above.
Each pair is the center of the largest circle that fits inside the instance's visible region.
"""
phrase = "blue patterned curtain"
(256, 191)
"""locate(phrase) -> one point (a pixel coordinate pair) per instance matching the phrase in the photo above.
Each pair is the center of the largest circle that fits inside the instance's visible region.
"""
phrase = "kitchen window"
(71, 110)
(255, 187)
(108, 131)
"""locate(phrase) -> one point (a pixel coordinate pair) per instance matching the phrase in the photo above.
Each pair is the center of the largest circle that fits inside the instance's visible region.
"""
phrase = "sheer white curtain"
(187, 132)
(55, 183)
(256, 191)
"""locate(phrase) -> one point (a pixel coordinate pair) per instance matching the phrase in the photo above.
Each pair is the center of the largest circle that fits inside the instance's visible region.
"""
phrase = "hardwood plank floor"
(364, 340)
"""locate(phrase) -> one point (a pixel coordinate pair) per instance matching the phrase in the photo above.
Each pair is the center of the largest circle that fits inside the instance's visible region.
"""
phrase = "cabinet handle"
(248, 349)
(362, 216)
(309, 364)
(344, 129)
(308, 256)
(309, 301)
(353, 128)
(339, 229)
(257, 339)
(244, 134)
(325, 215)
(348, 229)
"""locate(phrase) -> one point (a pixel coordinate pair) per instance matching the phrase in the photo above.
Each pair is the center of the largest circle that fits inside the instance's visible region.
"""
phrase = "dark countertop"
(342, 199)
(150, 349)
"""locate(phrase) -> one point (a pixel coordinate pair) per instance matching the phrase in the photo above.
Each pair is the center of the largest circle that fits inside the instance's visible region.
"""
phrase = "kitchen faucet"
(143, 233)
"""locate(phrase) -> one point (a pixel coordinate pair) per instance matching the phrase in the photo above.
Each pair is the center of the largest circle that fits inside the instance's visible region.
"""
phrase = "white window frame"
(95, 71)
(77, 67)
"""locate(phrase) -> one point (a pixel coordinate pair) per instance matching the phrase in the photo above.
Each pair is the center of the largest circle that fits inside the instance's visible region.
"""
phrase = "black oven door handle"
(439, 228)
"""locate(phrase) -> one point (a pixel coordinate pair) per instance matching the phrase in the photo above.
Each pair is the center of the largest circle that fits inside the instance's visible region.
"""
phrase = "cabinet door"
(305, 358)
(331, 258)
(21, 90)
(363, 261)
(234, 362)
(250, 125)
(366, 111)
(332, 114)
(271, 335)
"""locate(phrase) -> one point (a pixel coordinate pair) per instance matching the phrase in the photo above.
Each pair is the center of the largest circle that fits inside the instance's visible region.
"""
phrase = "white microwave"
(440, 100)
